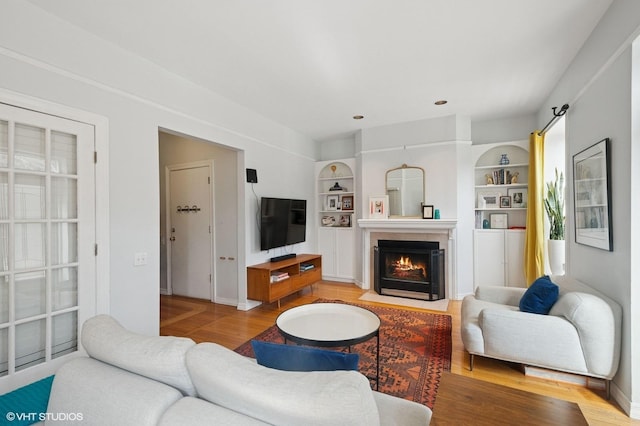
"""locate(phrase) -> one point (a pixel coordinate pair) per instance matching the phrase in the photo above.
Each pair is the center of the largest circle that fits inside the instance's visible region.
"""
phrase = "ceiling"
(312, 65)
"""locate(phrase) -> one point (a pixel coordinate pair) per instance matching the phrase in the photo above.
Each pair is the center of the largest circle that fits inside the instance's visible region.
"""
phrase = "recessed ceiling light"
(440, 102)
(358, 117)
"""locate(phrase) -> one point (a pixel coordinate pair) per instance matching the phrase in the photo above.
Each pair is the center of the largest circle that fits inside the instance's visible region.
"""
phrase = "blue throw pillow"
(540, 296)
(302, 358)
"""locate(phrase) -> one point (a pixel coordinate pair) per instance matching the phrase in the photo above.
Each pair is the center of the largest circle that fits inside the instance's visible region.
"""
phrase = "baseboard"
(338, 279)
(559, 376)
(632, 409)
(250, 304)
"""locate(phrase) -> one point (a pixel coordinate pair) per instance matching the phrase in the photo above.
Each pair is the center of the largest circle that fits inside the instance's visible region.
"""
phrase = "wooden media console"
(294, 277)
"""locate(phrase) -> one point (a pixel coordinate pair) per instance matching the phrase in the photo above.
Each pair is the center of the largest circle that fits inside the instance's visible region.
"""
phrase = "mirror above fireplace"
(405, 188)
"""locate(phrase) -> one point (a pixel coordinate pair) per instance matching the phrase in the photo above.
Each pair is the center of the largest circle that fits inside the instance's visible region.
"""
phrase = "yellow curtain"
(534, 234)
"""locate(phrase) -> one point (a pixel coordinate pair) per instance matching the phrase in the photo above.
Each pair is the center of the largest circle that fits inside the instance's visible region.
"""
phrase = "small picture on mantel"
(378, 207)
(427, 211)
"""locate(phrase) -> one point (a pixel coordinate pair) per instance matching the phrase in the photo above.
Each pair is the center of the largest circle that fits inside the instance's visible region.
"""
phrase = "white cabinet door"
(327, 248)
(337, 247)
(514, 250)
(488, 249)
(345, 253)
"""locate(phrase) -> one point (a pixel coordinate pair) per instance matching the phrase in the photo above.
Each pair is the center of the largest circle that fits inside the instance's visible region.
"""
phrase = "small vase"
(504, 160)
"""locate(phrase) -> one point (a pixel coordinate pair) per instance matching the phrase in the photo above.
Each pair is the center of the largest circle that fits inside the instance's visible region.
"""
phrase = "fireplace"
(413, 269)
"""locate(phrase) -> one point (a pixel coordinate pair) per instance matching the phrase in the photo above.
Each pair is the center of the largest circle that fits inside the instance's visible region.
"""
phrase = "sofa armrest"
(543, 340)
(502, 295)
(397, 411)
(598, 324)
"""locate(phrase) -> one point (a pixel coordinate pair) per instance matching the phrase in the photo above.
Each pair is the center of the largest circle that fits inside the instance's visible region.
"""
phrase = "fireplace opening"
(413, 269)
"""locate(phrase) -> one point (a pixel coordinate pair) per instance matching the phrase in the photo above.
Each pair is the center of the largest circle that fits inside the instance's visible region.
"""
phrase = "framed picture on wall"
(592, 196)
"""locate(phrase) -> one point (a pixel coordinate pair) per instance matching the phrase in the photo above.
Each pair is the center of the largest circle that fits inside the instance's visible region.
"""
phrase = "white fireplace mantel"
(411, 226)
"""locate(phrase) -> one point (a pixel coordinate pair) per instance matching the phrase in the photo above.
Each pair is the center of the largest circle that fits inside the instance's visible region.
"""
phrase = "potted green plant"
(554, 206)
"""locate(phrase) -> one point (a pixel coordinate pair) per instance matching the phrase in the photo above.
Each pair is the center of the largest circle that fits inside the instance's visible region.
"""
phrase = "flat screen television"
(283, 221)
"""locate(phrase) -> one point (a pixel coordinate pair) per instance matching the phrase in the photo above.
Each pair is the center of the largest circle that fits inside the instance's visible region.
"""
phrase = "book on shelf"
(306, 266)
(502, 177)
(277, 276)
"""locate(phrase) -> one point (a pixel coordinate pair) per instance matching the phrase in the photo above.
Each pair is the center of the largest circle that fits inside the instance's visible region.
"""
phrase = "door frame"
(167, 173)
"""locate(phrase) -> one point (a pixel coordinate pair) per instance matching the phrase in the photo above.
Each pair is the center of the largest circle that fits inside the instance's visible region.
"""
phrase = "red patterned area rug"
(415, 348)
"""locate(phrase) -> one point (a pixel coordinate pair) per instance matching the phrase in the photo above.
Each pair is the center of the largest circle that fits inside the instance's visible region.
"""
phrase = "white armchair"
(580, 335)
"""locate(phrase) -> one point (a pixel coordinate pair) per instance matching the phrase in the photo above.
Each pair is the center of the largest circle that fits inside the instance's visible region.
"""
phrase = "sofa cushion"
(191, 411)
(540, 296)
(302, 358)
(160, 358)
(95, 393)
(280, 397)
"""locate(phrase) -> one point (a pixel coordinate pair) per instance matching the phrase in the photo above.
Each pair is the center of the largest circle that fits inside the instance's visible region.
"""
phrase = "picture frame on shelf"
(505, 201)
(518, 197)
(488, 199)
(499, 221)
(332, 202)
(345, 220)
(347, 202)
(328, 220)
(379, 207)
(427, 211)
(592, 196)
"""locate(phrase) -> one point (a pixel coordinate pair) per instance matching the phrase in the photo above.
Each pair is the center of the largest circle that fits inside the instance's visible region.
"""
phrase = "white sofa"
(130, 379)
(580, 335)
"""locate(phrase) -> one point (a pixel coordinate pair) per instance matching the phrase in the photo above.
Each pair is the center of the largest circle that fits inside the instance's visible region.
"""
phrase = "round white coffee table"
(330, 325)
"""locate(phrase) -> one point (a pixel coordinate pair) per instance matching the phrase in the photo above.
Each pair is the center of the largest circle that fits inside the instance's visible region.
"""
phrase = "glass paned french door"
(47, 237)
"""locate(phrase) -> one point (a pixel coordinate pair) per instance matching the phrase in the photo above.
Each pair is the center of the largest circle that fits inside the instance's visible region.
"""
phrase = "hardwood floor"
(205, 321)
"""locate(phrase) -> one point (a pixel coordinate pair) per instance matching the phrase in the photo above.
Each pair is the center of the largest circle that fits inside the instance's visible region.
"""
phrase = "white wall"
(502, 129)
(336, 148)
(44, 57)
(597, 86)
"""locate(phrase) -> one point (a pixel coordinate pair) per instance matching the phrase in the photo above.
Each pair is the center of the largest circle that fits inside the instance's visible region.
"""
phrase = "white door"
(345, 253)
(47, 239)
(514, 251)
(190, 205)
(488, 250)
(327, 248)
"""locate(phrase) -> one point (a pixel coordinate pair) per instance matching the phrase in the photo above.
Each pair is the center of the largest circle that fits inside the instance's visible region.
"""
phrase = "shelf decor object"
(332, 202)
(499, 221)
(592, 196)
(488, 199)
(347, 202)
(427, 211)
(379, 207)
(518, 197)
(505, 201)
